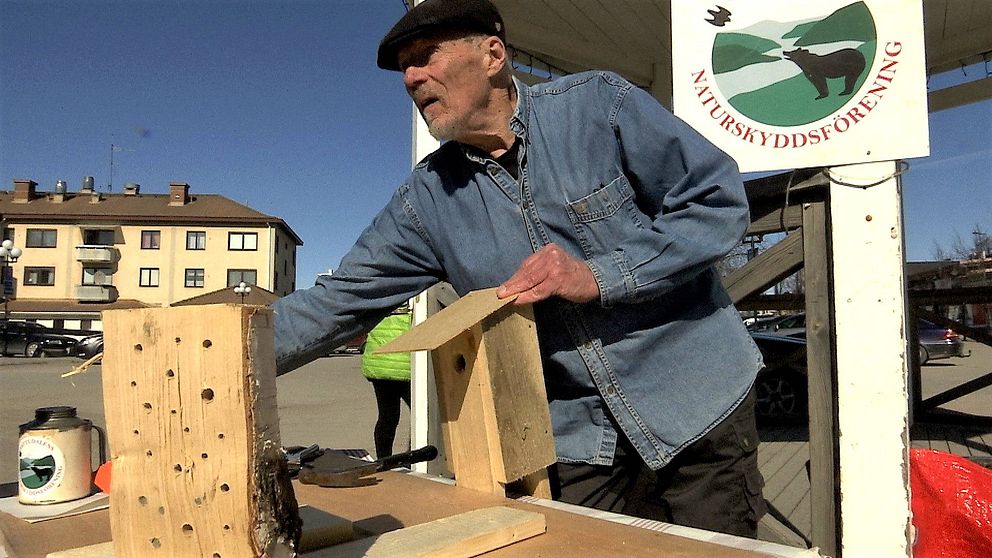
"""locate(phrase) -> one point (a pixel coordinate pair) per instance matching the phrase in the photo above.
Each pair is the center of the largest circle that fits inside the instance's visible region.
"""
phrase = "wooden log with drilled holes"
(190, 400)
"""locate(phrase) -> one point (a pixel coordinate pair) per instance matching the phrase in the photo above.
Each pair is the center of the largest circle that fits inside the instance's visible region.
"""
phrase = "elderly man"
(587, 198)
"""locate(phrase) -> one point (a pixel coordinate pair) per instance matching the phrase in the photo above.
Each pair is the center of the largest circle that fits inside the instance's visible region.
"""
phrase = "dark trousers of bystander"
(388, 394)
(713, 484)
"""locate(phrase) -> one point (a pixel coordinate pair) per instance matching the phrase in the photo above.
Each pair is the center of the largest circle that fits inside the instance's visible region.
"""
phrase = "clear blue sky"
(279, 105)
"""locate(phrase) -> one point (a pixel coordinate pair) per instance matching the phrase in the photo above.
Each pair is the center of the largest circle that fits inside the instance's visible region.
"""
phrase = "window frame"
(154, 277)
(36, 269)
(242, 271)
(231, 235)
(198, 235)
(202, 277)
(155, 234)
(43, 244)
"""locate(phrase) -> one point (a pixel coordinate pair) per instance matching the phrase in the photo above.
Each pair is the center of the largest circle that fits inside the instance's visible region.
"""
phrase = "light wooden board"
(459, 536)
(448, 323)
(191, 412)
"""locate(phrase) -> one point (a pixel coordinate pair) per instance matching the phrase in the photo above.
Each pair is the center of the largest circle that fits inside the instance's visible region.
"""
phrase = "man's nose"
(413, 76)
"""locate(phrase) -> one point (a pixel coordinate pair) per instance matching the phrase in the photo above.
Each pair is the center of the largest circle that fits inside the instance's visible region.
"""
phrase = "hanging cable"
(901, 167)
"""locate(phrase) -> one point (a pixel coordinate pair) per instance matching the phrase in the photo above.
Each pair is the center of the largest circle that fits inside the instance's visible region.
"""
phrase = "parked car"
(88, 347)
(938, 342)
(33, 340)
(781, 386)
(354, 347)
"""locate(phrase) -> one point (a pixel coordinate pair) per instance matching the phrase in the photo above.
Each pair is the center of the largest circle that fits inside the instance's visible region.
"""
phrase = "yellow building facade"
(87, 251)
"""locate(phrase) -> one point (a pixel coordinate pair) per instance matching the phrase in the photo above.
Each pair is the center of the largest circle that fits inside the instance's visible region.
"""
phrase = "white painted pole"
(423, 144)
(872, 364)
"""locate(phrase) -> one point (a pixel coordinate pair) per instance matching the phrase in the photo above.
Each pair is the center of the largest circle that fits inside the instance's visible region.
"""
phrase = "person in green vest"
(389, 375)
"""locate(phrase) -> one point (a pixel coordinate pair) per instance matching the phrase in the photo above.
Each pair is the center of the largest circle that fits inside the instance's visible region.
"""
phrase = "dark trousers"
(388, 394)
(713, 484)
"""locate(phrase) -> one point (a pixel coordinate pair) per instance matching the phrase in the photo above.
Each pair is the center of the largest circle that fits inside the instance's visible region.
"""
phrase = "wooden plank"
(449, 323)
(820, 377)
(768, 268)
(466, 416)
(463, 535)
(190, 401)
(520, 401)
(779, 219)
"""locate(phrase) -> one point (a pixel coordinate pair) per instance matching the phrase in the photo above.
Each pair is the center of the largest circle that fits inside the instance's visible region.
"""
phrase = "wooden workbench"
(402, 500)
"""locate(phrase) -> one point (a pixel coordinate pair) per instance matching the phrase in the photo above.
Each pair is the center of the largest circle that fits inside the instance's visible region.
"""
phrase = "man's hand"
(550, 272)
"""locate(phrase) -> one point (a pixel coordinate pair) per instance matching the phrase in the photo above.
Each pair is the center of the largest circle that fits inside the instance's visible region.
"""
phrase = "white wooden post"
(423, 144)
(872, 371)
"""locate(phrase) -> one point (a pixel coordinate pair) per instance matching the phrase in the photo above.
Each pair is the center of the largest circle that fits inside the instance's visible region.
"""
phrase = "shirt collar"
(518, 123)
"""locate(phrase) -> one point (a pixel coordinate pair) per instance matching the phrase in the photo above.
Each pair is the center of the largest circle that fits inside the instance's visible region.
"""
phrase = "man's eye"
(418, 59)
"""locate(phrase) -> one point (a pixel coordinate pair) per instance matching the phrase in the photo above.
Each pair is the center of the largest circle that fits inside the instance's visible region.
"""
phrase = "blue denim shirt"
(616, 180)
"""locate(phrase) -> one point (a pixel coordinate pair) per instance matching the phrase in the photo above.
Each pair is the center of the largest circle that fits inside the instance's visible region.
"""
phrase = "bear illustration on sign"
(847, 63)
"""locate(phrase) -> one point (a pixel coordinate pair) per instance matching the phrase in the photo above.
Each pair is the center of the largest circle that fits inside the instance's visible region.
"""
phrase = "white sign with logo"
(783, 84)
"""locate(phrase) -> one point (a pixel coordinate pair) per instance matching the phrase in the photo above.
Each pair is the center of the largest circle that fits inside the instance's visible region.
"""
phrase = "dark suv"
(32, 340)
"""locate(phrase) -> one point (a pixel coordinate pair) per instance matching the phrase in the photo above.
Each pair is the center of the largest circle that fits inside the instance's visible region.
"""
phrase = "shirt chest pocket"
(605, 217)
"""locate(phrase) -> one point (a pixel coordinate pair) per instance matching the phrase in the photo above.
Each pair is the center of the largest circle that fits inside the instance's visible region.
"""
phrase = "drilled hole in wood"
(133, 383)
(138, 347)
(178, 468)
(147, 406)
(173, 411)
(224, 487)
(155, 542)
(170, 374)
(187, 529)
(204, 455)
(460, 363)
(186, 429)
(227, 527)
(207, 343)
(207, 394)
(220, 435)
(178, 340)
(148, 453)
(198, 501)
(136, 433)
(143, 500)
(161, 510)
(216, 554)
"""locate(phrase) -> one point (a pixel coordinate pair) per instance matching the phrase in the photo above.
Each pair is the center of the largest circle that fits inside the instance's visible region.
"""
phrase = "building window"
(150, 240)
(39, 276)
(196, 240)
(194, 277)
(236, 276)
(8, 234)
(98, 276)
(148, 277)
(41, 238)
(98, 237)
(242, 241)
(275, 281)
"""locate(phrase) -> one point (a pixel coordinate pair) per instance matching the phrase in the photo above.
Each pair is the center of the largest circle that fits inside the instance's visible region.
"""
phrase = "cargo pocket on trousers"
(754, 482)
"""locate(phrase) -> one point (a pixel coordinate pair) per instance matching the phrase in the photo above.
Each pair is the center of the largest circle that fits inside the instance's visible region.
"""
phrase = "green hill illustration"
(850, 23)
(732, 51)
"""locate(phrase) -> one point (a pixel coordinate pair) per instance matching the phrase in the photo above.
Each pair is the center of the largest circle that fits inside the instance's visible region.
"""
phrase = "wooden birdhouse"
(492, 401)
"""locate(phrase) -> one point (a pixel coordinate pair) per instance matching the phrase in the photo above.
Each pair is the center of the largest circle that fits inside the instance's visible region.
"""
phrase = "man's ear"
(496, 55)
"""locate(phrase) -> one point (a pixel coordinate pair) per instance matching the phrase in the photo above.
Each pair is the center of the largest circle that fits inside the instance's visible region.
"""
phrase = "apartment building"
(88, 251)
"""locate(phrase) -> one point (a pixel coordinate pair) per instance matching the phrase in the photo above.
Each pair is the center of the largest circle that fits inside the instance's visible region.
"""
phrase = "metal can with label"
(54, 454)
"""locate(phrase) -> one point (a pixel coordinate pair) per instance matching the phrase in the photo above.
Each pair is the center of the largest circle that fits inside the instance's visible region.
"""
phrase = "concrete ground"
(327, 402)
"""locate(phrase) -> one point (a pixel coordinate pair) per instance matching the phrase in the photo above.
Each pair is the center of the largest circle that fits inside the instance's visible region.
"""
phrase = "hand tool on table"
(338, 470)
(296, 456)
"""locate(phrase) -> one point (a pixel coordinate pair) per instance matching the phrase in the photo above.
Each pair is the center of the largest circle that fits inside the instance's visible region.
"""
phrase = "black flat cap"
(432, 16)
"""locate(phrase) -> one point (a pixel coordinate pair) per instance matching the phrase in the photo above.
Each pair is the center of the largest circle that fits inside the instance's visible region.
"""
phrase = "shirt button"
(610, 390)
(525, 205)
(587, 345)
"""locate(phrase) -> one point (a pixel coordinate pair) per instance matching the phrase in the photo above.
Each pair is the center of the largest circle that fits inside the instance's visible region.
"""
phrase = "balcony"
(96, 293)
(96, 253)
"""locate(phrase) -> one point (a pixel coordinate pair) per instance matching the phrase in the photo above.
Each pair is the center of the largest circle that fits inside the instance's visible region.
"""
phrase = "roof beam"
(958, 95)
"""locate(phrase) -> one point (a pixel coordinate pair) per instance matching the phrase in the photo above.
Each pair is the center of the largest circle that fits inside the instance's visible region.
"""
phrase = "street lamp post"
(8, 255)
(243, 290)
